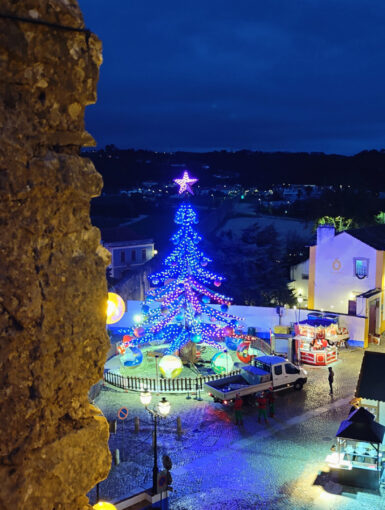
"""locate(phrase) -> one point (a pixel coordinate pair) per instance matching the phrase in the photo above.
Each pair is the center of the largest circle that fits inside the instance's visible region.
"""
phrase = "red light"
(210, 394)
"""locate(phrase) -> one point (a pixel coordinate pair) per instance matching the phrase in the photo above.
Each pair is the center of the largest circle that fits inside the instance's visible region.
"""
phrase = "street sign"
(123, 413)
(162, 481)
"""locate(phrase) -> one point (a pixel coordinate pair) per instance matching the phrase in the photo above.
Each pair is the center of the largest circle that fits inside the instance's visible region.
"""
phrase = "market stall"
(318, 339)
(357, 458)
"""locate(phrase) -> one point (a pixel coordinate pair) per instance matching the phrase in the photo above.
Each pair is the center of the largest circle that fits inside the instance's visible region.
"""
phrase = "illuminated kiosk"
(317, 340)
(357, 458)
(177, 316)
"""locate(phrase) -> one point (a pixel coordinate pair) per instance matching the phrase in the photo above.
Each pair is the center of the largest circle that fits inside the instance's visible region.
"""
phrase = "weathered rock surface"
(53, 341)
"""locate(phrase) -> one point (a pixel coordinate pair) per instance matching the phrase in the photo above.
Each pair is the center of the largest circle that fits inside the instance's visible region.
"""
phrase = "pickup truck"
(268, 372)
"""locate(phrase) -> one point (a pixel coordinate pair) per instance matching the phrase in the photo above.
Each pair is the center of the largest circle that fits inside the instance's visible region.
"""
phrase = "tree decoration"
(185, 183)
(170, 366)
(115, 308)
(180, 308)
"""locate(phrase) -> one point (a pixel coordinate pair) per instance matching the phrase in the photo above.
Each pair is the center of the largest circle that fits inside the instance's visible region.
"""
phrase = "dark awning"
(372, 432)
(371, 379)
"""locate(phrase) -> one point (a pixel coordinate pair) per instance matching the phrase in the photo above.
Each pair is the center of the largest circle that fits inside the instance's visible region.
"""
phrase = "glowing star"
(185, 183)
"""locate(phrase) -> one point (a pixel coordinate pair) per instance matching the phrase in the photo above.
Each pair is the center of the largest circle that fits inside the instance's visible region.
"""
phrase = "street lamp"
(160, 411)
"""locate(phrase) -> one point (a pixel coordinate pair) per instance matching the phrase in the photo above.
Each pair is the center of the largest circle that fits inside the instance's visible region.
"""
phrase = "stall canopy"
(360, 426)
(371, 379)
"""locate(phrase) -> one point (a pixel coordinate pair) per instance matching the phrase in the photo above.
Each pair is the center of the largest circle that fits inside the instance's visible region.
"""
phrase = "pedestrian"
(238, 403)
(271, 400)
(262, 404)
(331, 380)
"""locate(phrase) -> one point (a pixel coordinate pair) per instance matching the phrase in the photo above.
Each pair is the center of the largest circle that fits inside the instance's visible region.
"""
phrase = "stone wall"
(53, 341)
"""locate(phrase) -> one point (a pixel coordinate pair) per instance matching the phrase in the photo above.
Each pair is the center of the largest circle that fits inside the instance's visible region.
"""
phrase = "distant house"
(299, 276)
(127, 250)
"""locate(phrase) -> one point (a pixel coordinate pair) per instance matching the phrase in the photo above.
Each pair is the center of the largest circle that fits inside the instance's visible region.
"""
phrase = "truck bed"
(228, 387)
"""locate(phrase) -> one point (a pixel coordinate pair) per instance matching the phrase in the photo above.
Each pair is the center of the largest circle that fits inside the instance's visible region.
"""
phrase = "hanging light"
(145, 397)
(164, 407)
(103, 505)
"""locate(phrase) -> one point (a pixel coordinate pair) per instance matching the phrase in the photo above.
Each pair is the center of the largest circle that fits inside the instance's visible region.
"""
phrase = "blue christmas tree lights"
(177, 309)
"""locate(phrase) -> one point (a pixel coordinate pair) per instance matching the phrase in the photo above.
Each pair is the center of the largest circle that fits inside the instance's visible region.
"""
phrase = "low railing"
(179, 385)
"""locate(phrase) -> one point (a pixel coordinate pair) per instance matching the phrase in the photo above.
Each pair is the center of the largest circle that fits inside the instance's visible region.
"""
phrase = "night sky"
(263, 75)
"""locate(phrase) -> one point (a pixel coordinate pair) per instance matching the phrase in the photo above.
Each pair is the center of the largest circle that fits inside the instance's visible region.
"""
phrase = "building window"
(144, 254)
(361, 268)
(122, 257)
(133, 256)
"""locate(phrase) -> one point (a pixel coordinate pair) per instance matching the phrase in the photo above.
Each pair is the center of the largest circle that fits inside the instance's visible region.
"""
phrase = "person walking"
(271, 400)
(262, 404)
(331, 380)
(238, 403)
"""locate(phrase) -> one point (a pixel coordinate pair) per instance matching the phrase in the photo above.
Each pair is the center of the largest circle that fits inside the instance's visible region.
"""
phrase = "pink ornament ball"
(217, 283)
(138, 332)
(228, 331)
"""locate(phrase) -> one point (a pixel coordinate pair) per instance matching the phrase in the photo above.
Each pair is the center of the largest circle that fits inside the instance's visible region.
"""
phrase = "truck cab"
(284, 373)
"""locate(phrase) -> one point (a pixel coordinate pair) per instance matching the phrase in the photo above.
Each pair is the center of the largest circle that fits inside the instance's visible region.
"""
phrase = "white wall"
(299, 284)
(334, 287)
(262, 318)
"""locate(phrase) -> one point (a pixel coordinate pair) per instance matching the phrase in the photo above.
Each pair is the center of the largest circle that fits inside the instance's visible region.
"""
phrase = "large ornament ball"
(205, 299)
(145, 309)
(127, 339)
(115, 308)
(243, 352)
(196, 338)
(132, 357)
(138, 332)
(179, 317)
(224, 308)
(228, 331)
(170, 366)
(222, 363)
(232, 343)
(217, 283)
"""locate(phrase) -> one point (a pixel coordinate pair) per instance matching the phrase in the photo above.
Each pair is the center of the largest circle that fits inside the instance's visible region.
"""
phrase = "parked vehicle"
(268, 372)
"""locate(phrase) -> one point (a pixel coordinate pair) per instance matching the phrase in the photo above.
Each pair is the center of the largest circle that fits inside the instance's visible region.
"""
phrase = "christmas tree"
(177, 309)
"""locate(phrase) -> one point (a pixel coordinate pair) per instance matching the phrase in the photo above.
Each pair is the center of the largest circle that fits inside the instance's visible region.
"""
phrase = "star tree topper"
(185, 183)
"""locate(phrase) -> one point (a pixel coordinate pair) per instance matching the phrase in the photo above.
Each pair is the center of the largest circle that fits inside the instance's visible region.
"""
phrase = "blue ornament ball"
(145, 308)
(196, 338)
(205, 299)
(179, 317)
(204, 263)
(224, 308)
(232, 343)
(132, 357)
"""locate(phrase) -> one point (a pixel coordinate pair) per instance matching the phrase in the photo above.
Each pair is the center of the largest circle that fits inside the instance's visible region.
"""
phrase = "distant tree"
(339, 222)
(257, 272)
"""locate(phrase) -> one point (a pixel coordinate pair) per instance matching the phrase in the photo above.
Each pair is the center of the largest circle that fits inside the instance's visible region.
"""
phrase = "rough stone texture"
(53, 341)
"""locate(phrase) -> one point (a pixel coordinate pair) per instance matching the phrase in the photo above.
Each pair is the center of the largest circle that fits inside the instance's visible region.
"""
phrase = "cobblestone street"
(219, 465)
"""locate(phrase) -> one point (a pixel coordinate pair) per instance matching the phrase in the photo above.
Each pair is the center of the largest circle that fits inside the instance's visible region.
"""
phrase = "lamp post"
(161, 410)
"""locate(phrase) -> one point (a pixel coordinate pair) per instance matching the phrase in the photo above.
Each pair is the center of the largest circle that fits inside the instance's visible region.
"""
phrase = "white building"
(127, 251)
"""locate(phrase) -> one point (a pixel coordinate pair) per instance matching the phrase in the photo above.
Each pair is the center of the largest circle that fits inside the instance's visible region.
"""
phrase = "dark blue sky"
(257, 74)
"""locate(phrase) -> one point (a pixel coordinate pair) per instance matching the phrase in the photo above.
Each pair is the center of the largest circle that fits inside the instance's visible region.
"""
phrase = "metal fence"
(180, 385)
